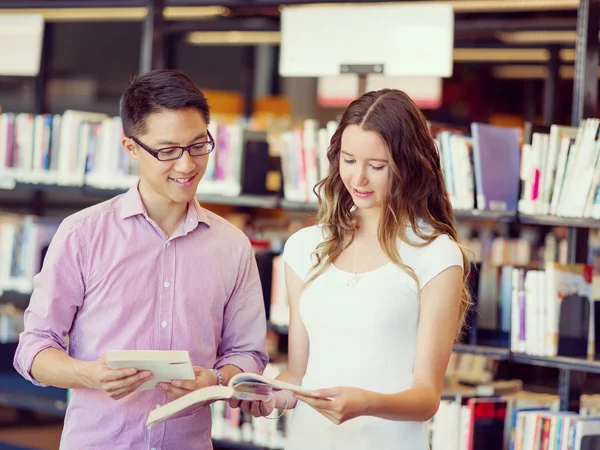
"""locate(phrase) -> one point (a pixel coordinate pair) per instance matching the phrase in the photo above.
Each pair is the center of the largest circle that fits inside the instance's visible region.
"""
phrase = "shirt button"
(152, 448)
(166, 284)
(168, 243)
(164, 324)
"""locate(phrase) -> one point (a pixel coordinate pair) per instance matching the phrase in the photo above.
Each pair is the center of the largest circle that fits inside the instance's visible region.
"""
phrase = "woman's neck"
(369, 221)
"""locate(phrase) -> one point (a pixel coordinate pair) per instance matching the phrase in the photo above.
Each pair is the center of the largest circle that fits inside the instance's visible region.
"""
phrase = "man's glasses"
(171, 153)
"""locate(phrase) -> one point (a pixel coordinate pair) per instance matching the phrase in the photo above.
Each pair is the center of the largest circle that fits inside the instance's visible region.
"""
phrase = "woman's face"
(364, 167)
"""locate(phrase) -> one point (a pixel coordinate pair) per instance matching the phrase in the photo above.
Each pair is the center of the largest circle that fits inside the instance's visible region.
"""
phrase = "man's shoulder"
(227, 230)
(92, 216)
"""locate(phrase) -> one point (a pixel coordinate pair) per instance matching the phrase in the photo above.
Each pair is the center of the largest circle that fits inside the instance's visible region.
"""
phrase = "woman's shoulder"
(299, 247)
(306, 238)
(441, 244)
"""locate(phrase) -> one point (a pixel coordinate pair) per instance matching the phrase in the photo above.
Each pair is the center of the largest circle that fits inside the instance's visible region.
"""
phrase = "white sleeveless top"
(362, 336)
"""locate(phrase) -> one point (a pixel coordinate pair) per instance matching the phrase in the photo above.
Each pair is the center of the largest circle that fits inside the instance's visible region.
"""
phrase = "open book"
(244, 386)
(165, 365)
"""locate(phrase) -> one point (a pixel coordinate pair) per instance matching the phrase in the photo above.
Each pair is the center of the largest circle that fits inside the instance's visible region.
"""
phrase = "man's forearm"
(55, 368)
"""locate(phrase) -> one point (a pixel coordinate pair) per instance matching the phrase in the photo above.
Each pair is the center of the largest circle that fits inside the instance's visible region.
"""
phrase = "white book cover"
(165, 365)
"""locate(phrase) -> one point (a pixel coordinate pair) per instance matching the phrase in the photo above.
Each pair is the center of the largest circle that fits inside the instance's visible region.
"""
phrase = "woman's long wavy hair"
(417, 185)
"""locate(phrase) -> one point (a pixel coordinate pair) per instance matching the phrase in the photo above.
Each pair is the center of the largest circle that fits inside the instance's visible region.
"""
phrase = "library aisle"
(509, 90)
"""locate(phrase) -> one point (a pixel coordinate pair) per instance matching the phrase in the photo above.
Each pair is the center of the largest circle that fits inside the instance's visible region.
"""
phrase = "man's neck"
(166, 214)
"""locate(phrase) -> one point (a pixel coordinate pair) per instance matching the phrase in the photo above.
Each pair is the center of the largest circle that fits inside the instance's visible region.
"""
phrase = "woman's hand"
(340, 404)
(256, 408)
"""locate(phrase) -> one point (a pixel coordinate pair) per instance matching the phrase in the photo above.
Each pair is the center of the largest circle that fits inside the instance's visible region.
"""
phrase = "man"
(147, 270)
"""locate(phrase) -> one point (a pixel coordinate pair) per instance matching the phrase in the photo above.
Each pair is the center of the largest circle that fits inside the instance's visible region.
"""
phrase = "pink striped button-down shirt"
(112, 279)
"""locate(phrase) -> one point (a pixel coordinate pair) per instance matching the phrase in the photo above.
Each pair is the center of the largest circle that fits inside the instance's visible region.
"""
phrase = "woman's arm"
(438, 322)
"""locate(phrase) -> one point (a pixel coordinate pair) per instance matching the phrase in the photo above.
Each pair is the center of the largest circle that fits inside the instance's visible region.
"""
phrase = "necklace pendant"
(352, 281)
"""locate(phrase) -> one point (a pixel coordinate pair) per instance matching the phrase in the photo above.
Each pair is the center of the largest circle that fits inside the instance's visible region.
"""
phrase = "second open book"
(244, 386)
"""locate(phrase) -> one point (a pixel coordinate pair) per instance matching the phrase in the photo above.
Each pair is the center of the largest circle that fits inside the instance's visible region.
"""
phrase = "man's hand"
(116, 383)
(179, 388)
(256, 408)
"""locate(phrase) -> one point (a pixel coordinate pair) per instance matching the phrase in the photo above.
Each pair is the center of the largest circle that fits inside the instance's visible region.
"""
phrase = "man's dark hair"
(155, 91)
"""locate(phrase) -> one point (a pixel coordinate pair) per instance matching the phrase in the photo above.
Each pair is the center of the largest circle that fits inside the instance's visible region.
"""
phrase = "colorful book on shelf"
(486, 427)
(496, 160)
(243, 386)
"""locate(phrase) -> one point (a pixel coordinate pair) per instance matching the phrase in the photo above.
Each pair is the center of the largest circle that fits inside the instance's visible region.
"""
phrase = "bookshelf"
(46, 198)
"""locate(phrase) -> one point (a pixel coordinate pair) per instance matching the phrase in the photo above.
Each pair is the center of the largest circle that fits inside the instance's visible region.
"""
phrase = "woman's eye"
(348, 161)
(377, 167)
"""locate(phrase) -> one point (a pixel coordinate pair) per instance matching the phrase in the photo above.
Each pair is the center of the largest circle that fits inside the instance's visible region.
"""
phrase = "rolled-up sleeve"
(243, 341)
(58, 292)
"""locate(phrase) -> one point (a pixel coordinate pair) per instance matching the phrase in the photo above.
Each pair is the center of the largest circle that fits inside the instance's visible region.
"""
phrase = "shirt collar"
(132, 205)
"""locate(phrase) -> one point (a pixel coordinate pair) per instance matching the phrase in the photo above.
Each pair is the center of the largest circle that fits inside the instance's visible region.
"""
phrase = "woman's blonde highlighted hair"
(417, 185)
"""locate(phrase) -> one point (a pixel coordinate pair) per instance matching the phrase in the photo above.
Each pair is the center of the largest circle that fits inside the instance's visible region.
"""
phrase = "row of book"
(24, 241)
(560, 173)
(551, 170)
(516, 421)
(303, 152)
(486, 167)
(552, 310)
(79, 148)
(480, 411)
(480, 165)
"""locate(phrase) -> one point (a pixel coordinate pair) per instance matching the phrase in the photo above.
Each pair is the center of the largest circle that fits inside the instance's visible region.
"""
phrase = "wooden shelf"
(78, 197)
(501, 216)
(492, 352)
(534, 219)
(297, 206)
(558, 362)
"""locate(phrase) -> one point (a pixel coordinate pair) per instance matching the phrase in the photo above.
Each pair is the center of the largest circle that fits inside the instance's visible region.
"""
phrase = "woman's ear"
(130, 148)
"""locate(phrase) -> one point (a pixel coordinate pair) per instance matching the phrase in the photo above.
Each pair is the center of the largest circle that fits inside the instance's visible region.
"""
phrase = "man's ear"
(130, 148)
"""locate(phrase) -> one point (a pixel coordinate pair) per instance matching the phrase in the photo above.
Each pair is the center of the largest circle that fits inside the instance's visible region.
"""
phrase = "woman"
(377, 289)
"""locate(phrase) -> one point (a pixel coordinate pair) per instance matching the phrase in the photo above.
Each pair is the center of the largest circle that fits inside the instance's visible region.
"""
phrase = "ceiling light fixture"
(233, 37)
(500, 54)
(546, 37)
(117, 14)
(466, 6)
(521, 72)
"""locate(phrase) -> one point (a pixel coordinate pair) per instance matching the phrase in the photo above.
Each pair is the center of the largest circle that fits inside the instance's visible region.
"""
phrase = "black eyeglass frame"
(156, 152)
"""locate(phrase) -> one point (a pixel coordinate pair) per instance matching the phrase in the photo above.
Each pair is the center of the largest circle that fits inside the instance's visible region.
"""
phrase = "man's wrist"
(81, 373)
(218, 376)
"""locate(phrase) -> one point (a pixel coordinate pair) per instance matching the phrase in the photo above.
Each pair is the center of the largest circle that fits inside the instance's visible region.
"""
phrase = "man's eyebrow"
(171, 143)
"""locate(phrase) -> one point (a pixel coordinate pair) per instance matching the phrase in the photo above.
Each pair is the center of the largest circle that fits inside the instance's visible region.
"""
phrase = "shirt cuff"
(26, 353)
(246, 363)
